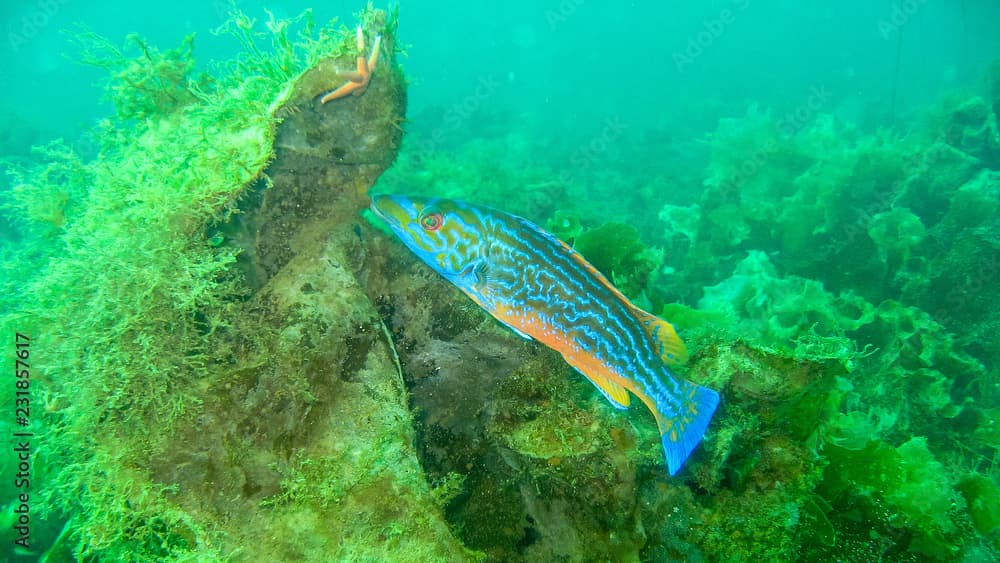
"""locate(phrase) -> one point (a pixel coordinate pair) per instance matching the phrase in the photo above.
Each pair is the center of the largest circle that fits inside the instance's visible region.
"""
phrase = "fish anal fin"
(662, 335)
(606, 381)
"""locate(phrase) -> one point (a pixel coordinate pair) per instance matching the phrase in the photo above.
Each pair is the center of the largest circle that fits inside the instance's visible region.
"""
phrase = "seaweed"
(617, 251)
(178, 395)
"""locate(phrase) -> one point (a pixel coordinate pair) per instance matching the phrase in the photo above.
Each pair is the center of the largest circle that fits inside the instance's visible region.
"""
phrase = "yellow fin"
(662, 335)
(602, 377)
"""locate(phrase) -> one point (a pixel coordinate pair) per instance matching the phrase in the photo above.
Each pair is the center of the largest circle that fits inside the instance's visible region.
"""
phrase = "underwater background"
(223, 356)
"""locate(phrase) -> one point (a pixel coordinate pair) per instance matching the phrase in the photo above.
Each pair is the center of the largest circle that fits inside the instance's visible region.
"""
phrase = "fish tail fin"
(681, 433)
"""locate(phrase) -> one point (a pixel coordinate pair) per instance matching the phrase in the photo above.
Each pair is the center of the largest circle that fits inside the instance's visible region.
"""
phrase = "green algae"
(909, 481)
(150, 85)
(565, 225)
(183, 409)
(793, 313)
(982, 496)
(136, 361)
(617, 251)
(905, 373)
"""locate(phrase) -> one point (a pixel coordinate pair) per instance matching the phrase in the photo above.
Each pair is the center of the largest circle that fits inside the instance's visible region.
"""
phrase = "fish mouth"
(391, 210)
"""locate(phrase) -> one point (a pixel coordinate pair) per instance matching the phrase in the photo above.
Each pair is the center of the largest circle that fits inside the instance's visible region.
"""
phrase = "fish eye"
(431, 222)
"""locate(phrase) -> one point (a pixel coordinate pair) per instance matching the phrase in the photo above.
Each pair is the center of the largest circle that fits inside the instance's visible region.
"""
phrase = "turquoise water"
(561, 65)
(811, 195)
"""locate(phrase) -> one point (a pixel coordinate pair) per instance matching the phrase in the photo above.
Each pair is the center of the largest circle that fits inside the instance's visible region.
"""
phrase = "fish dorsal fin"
(602, 377)
(664, 338)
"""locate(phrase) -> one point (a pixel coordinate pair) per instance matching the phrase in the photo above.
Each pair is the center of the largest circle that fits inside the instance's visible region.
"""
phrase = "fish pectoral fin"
(662, 335)
(482, 272)
(602, 378)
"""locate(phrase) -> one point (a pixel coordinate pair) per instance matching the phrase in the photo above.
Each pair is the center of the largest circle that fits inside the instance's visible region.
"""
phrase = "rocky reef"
(225, 390)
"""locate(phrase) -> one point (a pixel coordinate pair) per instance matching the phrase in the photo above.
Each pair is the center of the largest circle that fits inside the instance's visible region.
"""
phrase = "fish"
(543, 289)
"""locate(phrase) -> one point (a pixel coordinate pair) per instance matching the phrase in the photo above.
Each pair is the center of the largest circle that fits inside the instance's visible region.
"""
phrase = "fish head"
(450, 236)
